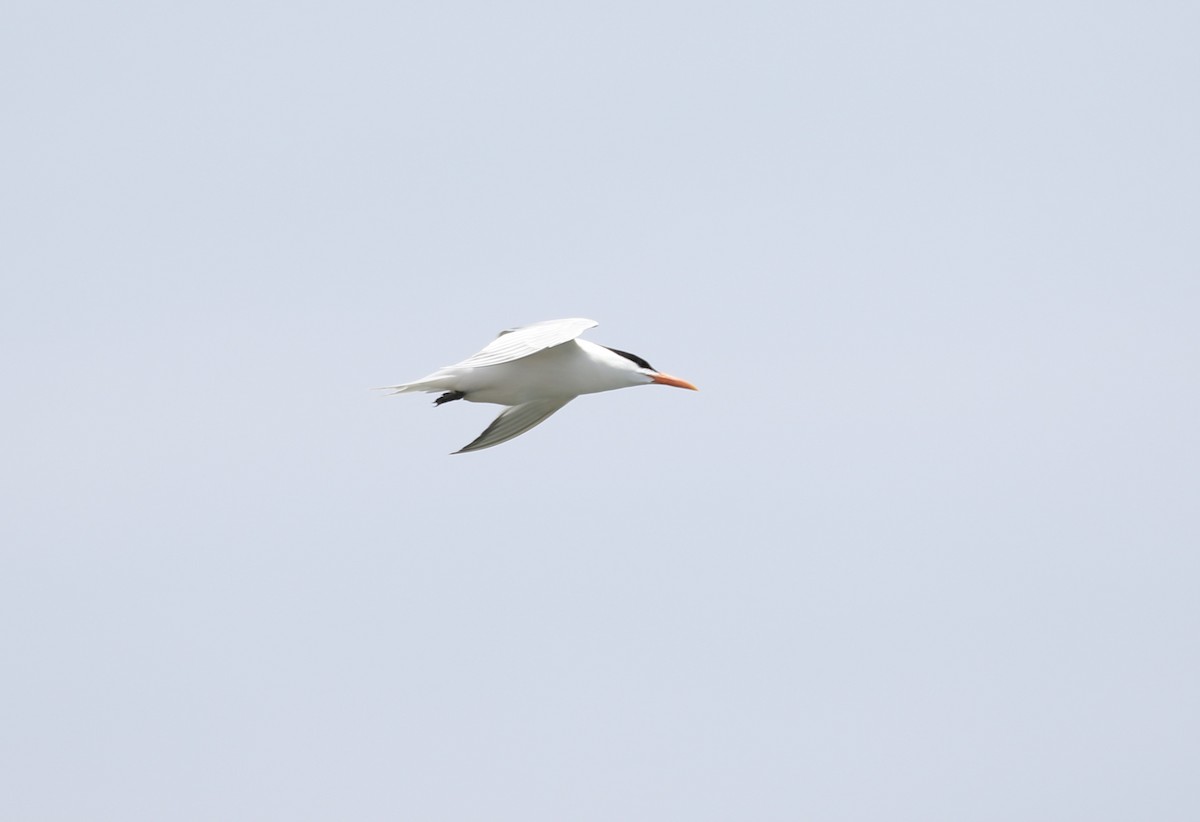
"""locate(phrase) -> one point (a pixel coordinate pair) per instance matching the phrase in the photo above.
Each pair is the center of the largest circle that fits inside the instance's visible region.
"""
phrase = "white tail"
(431, 384)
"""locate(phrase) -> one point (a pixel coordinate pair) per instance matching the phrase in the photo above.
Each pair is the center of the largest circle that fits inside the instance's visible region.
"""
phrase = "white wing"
(530, 339)
(515, 421)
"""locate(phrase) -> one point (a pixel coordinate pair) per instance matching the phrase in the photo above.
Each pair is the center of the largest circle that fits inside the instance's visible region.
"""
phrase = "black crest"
(633, 358)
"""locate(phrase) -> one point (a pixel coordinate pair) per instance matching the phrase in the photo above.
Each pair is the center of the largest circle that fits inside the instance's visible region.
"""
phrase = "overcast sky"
(924, 546)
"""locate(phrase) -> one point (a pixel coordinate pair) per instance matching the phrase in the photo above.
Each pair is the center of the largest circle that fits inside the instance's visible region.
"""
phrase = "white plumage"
(536, 370)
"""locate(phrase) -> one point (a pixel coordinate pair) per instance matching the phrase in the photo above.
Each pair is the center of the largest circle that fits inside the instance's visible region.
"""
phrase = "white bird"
(536, 370)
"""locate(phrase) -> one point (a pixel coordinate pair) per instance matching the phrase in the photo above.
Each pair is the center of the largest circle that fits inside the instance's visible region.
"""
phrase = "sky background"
(924, 546)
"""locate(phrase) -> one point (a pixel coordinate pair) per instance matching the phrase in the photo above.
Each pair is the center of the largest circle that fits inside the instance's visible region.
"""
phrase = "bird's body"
(535, 370)
(567, 370)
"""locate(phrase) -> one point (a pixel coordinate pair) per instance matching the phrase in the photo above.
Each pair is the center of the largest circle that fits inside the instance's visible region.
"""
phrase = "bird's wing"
(515, 421)
(530, 339)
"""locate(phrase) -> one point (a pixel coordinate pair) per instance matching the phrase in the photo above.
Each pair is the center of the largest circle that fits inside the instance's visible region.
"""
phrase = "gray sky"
(924, 547)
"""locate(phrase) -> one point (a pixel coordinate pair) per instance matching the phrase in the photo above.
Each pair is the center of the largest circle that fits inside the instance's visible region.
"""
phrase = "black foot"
(449, 396)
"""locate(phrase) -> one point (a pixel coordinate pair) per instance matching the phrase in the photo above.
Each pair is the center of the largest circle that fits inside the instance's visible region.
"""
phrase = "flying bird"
(536, 370)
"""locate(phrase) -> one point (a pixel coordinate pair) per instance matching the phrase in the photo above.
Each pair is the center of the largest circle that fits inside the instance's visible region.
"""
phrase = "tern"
(536, 370)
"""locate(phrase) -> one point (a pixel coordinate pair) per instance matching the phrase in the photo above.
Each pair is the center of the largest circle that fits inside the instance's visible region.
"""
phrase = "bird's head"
(643, 373)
